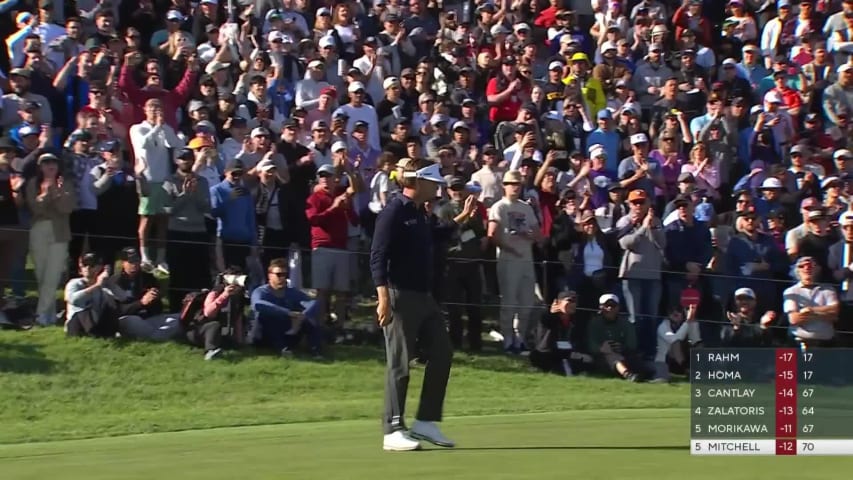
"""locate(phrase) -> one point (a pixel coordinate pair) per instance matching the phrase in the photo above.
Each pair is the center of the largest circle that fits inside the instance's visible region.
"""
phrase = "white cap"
(355, 86)
(258, 131)
(265, 165)
(213, 2)
(474, 187)
(607, 46)
(843, 153)
(323, 11)
(316, 64)
(338, 146)
(608, 297)
(460, 124)
(745, 292)
(498, 29)
(597, 150)
(846, 219)
(275, 35)
(844, 67)
(756, 109)
(174, 15)
(772, 97)
(327, 41)
(431, 173)
(639, 138)
(521, 26)
(828, 180)
(730, 61)
(771, 182)
(390, 82)
(555, 64)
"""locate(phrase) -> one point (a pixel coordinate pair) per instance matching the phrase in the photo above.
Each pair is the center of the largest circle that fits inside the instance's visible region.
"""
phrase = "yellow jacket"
(592, 92)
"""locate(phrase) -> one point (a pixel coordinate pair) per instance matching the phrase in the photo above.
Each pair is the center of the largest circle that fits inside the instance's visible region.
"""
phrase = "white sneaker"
(429, 432)
(211, 354)
(399, 442)
(163, 268)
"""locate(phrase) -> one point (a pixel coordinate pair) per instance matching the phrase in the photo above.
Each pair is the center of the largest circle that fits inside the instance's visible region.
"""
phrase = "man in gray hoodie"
(642, 238)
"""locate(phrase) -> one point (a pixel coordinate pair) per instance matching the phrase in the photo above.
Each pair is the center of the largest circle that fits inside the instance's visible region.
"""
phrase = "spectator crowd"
(653, 174)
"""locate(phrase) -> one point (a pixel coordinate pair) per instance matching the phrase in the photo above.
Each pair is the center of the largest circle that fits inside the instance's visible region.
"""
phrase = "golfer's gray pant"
(416, 321)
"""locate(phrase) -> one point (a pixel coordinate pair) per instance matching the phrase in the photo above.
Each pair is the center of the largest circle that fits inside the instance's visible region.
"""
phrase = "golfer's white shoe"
(399, 441)
(428, 431)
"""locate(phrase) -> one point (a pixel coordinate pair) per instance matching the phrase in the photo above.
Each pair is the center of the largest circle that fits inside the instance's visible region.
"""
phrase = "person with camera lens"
(222, 310)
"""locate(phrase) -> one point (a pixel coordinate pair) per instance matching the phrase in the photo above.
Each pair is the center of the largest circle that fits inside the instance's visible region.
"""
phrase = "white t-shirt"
(799, 297)
(514, 217)
(378, 184)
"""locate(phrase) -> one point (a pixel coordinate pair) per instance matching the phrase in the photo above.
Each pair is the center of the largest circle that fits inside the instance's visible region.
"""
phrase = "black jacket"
(136, 286)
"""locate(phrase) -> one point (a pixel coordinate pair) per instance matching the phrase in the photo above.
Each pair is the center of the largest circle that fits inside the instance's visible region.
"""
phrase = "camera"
(235, 280)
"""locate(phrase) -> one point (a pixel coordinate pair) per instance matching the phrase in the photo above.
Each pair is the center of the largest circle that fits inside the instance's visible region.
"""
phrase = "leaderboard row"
(744, 446)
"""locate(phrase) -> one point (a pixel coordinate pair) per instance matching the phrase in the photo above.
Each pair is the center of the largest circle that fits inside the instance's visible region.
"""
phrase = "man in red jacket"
(172, 100)
(329, 210)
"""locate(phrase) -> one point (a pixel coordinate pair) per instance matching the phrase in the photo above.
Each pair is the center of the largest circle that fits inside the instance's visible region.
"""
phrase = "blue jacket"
(687, 244)
(235, 217)
(267, 304)
(743, 250)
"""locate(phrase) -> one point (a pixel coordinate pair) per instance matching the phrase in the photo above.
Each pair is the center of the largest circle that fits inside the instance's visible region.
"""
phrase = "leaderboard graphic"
(783, 401)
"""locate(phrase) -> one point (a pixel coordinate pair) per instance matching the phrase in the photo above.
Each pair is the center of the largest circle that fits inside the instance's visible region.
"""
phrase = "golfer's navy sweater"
(401, 255)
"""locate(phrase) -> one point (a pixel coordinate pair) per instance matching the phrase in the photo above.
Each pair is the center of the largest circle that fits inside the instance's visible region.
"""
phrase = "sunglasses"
(638, 202)
(279, 274)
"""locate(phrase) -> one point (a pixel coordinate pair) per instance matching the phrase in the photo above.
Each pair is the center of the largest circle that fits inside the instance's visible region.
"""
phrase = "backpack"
(192, 309)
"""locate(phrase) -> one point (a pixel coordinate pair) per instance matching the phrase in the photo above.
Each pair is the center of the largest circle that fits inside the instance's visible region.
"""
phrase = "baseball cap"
(816, 213)
(338, 146)
(604, 114)
(745, 292)
(438, 119)
(454, 182)
(185, 154)
(597, 150)
(608, 297)
(846, 219)
(327, 169)
(637, 195)
(199, 142)
(319, 125)
(90, 260)
(47, 157)
(330, 91)
(107, 145)
(555, 65)
(772, 97)
(265, 165)
(810, 202)
(259, 132)
(130, 254)
(639, 138)
(360, 124)
(175, 16)
(461, 125)
(844, 67)
(234, 165)
(355, 87)
(771, 183)
(828, 181)
(28, 130)
(686, 177)
(390, 82)
(843, 153)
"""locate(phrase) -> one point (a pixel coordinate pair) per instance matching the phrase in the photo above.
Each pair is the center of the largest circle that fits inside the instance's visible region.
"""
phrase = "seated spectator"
(90, 307)
(137, 294)
(612, 341)
(676, 335)
(812, 309)
(557, 338)
(283, 313)
(746, 328)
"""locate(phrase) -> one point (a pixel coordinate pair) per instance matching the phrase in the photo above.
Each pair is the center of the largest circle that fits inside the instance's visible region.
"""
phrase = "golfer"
(401, 262)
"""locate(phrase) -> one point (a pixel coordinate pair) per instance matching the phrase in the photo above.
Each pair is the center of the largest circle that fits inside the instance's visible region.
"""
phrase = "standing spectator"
(688, 249)
(232, 205)
(514, 228)
(153, 141)
(12, 231)
(841, 262)
(330, 212)
(118, 202)
(51, 199)
(812, 309)
(464, 288)
(78, 162)
(190, 199)
(641, 236)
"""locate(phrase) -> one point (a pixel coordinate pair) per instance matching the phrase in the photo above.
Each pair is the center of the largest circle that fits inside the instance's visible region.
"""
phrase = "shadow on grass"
(662, 448)
(24, 359)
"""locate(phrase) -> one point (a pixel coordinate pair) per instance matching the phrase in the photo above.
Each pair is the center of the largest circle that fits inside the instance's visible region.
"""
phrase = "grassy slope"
(54, 388)
(616, 444)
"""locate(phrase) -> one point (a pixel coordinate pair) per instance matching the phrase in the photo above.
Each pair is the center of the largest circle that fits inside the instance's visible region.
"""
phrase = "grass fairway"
(594, 444)
(94, 409)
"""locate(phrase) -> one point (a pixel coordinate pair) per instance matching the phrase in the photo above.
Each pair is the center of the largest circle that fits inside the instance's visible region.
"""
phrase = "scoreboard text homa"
(764, 401)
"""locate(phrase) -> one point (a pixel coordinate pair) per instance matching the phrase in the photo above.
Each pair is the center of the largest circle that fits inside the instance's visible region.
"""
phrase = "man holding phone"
(234, 210)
